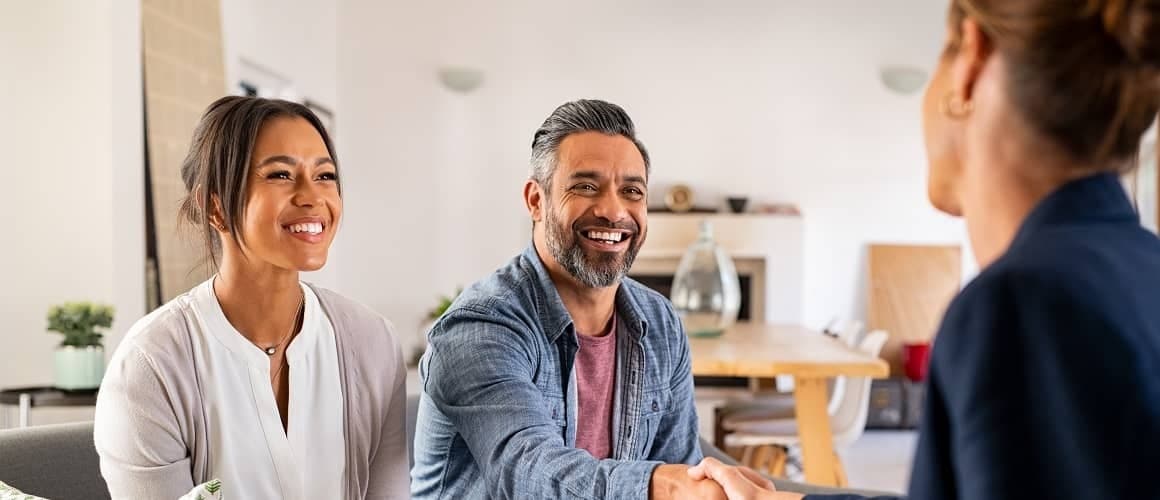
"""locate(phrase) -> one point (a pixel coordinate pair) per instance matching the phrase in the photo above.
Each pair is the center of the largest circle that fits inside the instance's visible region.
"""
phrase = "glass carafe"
(706, 291)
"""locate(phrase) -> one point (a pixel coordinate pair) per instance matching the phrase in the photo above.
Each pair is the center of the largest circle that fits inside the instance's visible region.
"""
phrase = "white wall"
(293, 38)
(297, 41)
(73, 193)
(778, 100)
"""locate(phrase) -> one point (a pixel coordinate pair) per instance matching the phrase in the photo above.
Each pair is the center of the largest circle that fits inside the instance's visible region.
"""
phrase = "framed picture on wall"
(325, 114)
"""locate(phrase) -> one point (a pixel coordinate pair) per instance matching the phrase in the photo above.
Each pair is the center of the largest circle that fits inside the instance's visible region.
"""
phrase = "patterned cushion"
(210, 490)
(10, 493)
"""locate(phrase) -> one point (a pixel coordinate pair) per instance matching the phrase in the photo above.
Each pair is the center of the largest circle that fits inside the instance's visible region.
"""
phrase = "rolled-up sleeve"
(136, 433)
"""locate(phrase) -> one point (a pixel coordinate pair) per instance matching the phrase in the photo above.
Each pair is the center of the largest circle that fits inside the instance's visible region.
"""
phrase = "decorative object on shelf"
(691, 211)
(679, 198)
(737, 204)
(706, 290)
(80, 359)
(433, 315)
(778, 209)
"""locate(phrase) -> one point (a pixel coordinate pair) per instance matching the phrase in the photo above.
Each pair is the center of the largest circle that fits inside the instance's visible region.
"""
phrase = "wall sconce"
(903, 80)
(460, 79)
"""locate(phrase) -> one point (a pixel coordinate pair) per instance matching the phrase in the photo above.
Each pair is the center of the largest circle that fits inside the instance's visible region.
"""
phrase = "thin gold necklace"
(271, 350)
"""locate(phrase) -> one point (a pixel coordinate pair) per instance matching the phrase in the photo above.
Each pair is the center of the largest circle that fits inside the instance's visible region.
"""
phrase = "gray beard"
(601, 272)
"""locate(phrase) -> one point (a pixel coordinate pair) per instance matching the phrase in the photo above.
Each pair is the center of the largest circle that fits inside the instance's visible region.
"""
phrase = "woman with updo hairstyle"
(256, 384)
(1045, 374)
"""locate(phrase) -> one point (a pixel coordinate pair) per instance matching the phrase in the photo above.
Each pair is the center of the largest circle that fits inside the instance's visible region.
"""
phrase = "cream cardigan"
(150, 425)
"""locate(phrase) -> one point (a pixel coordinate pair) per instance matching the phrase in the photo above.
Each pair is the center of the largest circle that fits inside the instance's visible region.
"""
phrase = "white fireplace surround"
(766, 247)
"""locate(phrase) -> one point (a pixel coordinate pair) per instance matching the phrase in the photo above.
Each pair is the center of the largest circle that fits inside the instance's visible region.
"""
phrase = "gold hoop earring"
(954, 107)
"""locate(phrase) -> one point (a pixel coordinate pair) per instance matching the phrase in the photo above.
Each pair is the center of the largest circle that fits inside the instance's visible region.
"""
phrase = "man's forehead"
(595, 151)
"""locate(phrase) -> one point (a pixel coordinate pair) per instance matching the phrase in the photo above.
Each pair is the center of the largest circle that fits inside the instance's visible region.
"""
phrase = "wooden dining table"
(763, 351)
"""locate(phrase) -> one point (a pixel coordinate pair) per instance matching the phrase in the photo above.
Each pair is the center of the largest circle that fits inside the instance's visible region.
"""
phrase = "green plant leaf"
(79, 322)
(444, 304)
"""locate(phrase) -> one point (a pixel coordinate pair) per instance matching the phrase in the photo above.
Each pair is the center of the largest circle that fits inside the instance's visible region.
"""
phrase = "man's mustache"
(601, 222)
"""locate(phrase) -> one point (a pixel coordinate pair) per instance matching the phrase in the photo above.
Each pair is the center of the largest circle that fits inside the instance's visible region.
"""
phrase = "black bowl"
(737, 205)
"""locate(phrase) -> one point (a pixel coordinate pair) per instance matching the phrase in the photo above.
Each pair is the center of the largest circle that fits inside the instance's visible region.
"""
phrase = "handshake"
(712, 479)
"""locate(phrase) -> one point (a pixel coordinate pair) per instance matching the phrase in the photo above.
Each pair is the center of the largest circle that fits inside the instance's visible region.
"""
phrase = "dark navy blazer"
(1045, 376)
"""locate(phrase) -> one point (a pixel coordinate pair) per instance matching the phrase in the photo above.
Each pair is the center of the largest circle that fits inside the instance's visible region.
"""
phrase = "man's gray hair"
(585, 115)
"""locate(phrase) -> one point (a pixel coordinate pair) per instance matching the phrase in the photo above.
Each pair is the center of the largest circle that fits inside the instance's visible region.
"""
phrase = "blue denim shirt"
(497, 417)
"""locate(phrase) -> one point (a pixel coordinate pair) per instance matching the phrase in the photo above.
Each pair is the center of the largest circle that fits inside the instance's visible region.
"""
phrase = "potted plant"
(444, 304)
(429, 320)
(80, 359)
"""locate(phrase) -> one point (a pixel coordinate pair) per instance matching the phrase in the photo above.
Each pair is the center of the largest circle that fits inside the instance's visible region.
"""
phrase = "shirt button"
(656, 407)
(553, 413)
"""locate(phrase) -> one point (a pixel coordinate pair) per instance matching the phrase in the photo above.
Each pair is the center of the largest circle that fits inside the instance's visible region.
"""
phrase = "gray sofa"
(59, 462)
(52, 461)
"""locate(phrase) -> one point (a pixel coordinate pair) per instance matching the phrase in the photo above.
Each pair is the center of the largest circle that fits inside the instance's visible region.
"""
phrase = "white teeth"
(308, 227)
(598, 235)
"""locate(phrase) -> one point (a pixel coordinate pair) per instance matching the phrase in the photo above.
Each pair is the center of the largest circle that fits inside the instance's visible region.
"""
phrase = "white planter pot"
(79, 368)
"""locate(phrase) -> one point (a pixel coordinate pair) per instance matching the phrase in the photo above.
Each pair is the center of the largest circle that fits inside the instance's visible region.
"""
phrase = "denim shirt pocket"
(655, 406)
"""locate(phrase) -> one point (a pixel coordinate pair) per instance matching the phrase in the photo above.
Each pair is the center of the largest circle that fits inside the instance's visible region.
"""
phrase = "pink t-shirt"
(595, 388)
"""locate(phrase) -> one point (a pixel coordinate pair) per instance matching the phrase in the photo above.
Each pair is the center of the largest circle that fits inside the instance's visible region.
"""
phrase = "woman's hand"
(739, 483)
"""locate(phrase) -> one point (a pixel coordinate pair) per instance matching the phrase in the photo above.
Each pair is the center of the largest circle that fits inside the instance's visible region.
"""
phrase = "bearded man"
(557, 376)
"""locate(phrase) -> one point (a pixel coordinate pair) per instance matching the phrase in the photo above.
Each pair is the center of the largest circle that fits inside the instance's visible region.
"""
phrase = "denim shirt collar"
(555, 317)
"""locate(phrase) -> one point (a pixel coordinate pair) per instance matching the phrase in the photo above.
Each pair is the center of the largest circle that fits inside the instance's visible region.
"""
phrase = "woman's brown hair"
(217, 167)
(1081, 72)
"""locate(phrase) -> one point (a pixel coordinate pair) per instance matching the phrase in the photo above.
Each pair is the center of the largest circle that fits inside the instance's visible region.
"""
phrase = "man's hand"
(740, 483)
(673, 482)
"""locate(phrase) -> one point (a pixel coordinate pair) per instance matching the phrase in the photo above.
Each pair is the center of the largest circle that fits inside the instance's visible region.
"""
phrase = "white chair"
(847, 331)
(758, 438)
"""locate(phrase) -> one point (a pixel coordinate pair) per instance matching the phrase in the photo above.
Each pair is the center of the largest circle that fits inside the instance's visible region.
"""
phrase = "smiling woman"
(288, 144)
(183, 401)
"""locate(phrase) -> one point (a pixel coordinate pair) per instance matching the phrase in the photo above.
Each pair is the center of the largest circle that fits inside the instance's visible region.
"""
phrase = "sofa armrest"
(52, 461)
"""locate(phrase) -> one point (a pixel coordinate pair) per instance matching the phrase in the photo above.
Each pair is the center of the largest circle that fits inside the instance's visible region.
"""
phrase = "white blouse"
(250, 453)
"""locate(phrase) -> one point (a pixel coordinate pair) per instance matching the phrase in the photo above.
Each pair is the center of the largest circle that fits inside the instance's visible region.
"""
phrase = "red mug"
(915, 358)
